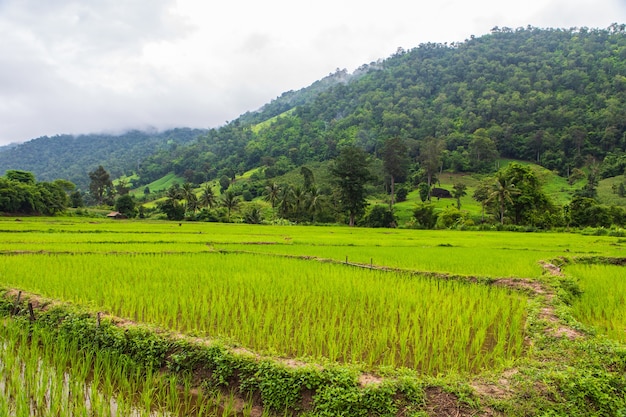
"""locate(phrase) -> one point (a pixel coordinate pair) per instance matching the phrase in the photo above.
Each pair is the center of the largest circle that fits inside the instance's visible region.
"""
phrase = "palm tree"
(284, 202)
(501, 192)
(297, 199)
(272, 193)
(174, 193)
(230, 201)
(314, 201)
(189, 195)
(207, 199)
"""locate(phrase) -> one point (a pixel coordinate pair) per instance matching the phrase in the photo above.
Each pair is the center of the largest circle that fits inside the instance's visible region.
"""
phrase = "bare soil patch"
(440, 403)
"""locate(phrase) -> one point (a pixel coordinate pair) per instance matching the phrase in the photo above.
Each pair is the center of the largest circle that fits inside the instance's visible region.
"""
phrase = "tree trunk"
(393, 194)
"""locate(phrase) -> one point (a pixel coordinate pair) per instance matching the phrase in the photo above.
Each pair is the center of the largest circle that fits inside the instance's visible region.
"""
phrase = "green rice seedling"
(289, 307)
(603, 299)
(70, 383)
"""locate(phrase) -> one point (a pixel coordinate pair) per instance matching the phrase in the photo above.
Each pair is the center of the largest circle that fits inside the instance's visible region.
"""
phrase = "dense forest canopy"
(555, 96)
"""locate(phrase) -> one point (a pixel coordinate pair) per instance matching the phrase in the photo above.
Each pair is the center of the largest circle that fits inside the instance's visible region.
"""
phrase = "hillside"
(73, 157)
(555, 97)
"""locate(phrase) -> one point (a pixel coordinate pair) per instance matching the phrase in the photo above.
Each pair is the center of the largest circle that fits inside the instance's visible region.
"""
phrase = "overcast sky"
(90, 66)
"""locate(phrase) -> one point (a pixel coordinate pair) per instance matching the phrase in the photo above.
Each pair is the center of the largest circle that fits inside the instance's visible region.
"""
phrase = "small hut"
(116, 215)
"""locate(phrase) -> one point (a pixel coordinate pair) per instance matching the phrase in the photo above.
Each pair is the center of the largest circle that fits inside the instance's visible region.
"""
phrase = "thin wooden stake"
(17, 302)
(98, 320)
(31, 312)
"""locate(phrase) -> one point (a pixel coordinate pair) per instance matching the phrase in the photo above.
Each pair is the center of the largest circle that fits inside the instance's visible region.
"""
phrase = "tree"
(207, 198)
(425, 216)
(380, 216)
(586, 211)
(76, 199)
(459, 191)
(424, 191)
(172, 209)
(65, 185)
(125, 204)
(17, 175)
(175, 192)
(501, 191)
(224, 183)
(230, 201)
(481, 194)
(100, 183)
(272, 193)
(189, 195)
(254, 215)
(351, 173)
(395, 163)
(431, 154)
(482, 150)
(309, 178)
(528, 202)
(122, 187)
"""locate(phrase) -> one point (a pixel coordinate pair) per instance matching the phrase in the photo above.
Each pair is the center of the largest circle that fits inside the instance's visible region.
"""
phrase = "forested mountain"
(72, 157)
(553, 96)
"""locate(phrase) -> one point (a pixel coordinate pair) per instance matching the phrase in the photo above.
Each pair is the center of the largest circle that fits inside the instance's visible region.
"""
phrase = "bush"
(450, 217)
(425, 216)
(379, 216)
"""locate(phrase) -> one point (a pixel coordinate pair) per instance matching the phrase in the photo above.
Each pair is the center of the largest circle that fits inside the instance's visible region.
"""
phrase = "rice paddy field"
(437, 307)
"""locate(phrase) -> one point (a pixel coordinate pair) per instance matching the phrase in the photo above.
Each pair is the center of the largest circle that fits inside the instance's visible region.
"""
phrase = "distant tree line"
(20, 193)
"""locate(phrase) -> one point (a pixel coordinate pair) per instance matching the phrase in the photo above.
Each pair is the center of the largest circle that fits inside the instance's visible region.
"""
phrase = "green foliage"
(450, 217)
(379, 216)
(25, 196)
(253, 215)
(70, 157)
(425, 216)
(24, 177)
(126, 205)
(585, 211)
(351, 175)
(551, 96)
(172, 209)
(100, 184)
(424, 191)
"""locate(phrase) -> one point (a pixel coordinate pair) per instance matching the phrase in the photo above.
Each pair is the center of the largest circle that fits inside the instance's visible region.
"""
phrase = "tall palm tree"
(501, 192)
(314, 201)
(189, 195)
(207, 198)
(285, 202)
(298, 197)
(230, 201)
(272, 193)
(174, 193)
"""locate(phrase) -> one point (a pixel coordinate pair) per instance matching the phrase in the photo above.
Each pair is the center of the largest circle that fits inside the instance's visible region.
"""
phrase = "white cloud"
(76, 67)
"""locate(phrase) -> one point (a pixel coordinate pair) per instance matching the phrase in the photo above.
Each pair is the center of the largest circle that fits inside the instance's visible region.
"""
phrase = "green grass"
(266, 123)
(161, 184)
(603, 300)
(466, 331)
(605, 191)
(290, 307)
